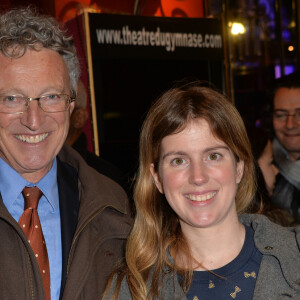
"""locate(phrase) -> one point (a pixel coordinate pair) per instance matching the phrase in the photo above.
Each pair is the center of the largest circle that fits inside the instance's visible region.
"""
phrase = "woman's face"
(199, 176)
(267, 167)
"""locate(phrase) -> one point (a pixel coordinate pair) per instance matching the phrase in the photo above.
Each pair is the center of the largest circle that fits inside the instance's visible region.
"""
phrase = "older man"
(286, 145)
(62, 224)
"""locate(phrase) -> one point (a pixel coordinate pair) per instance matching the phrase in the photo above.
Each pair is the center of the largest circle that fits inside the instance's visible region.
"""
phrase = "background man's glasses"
(282, 116)
(49, 103)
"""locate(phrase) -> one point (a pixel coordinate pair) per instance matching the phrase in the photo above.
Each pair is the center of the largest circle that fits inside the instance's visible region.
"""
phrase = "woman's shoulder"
(169, 288)
(120, 284)
(272, 239)
(264, 227)
(280, 249)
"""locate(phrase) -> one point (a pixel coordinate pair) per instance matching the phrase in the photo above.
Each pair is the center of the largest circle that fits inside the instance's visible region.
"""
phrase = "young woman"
(190, 239)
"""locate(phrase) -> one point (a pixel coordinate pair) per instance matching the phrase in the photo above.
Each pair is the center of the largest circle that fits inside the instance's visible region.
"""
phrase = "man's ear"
(72, 107)
(79, 117)
(156, 179)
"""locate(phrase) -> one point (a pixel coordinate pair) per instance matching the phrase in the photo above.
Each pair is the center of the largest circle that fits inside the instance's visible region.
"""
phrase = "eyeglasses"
(282, 116)
(51, 103)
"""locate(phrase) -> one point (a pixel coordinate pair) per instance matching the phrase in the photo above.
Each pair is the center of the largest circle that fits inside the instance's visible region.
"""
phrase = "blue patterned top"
(238, 277)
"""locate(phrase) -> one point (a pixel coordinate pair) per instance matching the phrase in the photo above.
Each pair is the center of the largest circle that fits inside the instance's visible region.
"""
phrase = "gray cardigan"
(279, 273)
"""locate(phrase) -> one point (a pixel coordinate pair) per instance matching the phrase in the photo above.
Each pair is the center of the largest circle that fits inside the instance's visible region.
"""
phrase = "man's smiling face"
(29, 141)
(287, 131)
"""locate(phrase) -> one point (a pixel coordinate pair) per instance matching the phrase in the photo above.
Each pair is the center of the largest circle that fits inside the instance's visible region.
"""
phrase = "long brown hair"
(156, 228)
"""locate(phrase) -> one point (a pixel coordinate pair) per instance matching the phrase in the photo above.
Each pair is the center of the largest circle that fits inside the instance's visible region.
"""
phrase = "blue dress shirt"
(11, 186)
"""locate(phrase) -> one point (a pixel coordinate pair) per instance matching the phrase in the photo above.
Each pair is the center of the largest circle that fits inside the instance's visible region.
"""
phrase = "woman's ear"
(156, 179)
(239, 171)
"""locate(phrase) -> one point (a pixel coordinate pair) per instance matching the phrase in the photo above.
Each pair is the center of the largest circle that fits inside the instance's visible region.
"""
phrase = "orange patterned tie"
(30, 223)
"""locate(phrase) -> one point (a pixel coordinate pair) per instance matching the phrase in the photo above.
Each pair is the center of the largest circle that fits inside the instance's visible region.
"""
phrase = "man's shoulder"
(106, 168)
(93, 185)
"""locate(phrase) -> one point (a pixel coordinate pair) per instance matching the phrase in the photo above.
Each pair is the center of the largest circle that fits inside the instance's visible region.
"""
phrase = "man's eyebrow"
(286, 110)
(11, 91)
(49, 89)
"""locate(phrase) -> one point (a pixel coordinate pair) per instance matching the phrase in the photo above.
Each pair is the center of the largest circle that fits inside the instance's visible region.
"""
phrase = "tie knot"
(32, 195)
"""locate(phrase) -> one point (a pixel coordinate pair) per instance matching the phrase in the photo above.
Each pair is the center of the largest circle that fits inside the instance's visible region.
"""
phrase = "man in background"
(77, 139)
(286, 144)
(62, 224)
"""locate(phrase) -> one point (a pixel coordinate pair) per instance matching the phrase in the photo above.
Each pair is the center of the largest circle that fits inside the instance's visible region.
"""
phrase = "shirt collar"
(12, 184)
(48, 185)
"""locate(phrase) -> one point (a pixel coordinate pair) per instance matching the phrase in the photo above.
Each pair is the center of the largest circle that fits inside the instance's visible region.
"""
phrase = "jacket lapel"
(67, 180)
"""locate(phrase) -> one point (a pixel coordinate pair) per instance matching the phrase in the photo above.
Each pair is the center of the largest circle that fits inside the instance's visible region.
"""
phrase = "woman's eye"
(214, 156)
(178, 161)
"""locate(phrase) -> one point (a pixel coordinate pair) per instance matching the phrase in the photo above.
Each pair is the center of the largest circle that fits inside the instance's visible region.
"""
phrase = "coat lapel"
(67, 180)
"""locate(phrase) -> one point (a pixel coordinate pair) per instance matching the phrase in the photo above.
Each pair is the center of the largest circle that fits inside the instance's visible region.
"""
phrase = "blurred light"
(291, 48)
(288, 69)
(237, 28)
(286, 35)
(258, 123)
